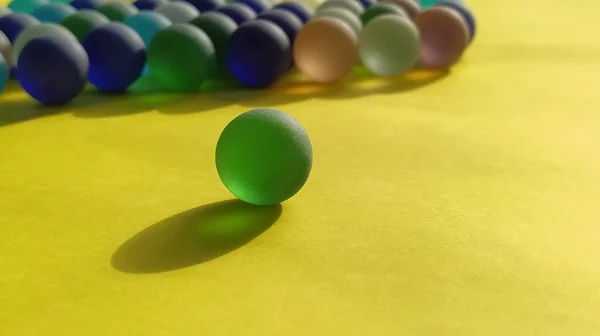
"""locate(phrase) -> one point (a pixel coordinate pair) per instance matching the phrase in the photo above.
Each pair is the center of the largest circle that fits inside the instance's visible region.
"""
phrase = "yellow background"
(457, 204)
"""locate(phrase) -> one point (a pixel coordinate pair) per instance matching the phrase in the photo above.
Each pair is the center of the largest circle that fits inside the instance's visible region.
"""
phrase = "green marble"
(264, 157)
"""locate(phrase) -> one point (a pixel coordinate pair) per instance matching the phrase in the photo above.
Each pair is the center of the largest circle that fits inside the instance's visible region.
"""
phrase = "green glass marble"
(424, 4)
(25, 6)
(83, 22)
(117, 11)
(343, 15)
(54, 12)
(380, 9)
(264, 157)
(219, 28)
(353, 6)
(389, 45)
(32, 32)
(181, 57)
(427, 3)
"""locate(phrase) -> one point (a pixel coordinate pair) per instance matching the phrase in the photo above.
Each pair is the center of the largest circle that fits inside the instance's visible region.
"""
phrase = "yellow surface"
(464, 204)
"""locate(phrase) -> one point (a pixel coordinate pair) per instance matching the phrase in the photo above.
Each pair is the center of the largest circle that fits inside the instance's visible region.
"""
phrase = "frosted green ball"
(117, 11)
(181, 57)
(428, 3)
(389, 45)
(84, 21)
(381, 9)
(264, 157)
